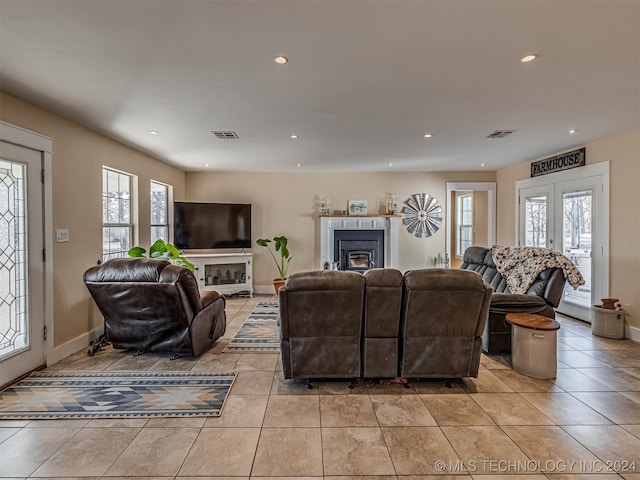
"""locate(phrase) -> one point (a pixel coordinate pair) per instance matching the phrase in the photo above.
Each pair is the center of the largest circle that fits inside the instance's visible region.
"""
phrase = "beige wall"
(283, 204)
(480, 217)
(78, 157)
(623, 151)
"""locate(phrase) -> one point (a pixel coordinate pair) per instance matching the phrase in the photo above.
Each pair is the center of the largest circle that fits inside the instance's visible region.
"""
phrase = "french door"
(568, 212)
(22, 268)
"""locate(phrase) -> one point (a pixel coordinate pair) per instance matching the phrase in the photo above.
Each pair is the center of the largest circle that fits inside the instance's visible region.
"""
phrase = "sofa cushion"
(320, 319)
(444, 312)
(383, 298)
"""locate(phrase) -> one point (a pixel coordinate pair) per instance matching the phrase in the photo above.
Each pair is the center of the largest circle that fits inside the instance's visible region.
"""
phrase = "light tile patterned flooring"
(500, 425)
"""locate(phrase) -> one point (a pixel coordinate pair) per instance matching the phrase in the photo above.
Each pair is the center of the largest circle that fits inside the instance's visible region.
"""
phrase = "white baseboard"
(73, 346)
(632, 333)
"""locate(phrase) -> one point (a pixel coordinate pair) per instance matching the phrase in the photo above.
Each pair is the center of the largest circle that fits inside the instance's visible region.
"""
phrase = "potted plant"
(285, 257)
(162, 251)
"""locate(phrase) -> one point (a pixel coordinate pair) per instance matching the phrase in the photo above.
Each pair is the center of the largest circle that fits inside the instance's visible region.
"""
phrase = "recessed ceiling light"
(154, 132)
(483, 164)
(529, 58)
(428, 135)
(573, 130)
(281, 60)
(298, 165)
(206, 164)
(294, 136)
(391, 164)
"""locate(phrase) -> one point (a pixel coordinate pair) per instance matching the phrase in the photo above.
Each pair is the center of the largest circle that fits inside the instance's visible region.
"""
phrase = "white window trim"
(169, 223)
(490, 188)
(133, 203)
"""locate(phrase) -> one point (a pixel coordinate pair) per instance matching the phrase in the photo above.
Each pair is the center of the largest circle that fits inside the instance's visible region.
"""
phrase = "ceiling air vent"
(226, 135)
(500, 133)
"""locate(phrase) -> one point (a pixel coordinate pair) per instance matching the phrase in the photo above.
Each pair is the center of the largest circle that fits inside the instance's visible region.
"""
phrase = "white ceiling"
(365, 79)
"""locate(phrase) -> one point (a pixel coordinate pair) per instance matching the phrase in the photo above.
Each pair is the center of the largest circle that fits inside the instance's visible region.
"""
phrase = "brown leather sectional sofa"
(425, 324)
(542, 297)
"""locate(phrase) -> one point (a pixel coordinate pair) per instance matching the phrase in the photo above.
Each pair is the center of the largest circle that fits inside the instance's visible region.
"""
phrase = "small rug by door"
(259, 332)
(51, 395)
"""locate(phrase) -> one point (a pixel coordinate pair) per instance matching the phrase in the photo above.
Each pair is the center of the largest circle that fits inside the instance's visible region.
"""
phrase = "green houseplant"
(283, 262)
(162, 251)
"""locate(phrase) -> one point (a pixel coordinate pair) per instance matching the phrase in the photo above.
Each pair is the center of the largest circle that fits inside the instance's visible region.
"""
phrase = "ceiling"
(366, 79)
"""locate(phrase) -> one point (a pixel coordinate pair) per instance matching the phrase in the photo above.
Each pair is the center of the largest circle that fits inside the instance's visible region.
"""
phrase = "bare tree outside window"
(577, 217)
(536, 221)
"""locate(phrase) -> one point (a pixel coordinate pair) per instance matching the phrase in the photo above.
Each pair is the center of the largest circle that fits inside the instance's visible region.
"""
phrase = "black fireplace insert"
(359, 250)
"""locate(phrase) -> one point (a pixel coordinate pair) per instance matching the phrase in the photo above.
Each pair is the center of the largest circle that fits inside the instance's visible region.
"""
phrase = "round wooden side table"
(534, 345)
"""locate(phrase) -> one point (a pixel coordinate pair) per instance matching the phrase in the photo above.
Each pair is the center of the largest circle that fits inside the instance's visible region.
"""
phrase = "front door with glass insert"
(21, 263)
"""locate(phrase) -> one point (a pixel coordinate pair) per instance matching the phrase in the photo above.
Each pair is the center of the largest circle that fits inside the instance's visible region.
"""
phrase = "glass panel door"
(535, 207)
(578, 210)
(14, 327)
(577, 222)
(21, 264)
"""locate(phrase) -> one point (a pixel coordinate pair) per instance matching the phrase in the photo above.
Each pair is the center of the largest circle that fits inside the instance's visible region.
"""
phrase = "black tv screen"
(211, 225)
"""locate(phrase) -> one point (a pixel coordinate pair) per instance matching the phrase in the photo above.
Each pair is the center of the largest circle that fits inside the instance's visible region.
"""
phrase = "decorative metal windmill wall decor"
(423, 215)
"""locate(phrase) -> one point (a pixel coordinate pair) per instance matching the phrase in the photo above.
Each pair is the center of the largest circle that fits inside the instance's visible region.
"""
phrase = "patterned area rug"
(259, 332)
(116, 395)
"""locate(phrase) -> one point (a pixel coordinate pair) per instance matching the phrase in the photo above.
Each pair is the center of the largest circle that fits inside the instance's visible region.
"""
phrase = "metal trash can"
(533, 352)
(534, 345)
(606, 322)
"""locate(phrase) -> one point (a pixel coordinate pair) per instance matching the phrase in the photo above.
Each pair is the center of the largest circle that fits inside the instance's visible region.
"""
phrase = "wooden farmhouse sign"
(564, 161)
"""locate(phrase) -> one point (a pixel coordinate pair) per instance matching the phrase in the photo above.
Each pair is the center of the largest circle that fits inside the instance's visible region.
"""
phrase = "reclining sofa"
(425, 324)
(150, 305)
(542, 297)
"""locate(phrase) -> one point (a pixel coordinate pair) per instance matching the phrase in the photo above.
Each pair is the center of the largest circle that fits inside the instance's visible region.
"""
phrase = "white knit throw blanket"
(520, 266)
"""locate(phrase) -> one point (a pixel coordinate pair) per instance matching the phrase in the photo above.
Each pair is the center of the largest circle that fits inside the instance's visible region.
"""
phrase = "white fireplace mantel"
(389, 224)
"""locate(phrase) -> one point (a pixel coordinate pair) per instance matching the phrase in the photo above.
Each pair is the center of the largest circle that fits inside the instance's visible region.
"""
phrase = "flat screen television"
(211, 225)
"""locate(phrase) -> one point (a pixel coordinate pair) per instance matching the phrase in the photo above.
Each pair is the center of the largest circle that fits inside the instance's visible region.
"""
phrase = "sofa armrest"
(210, 296)
(208, 324)
(516, 303)
(555, 288)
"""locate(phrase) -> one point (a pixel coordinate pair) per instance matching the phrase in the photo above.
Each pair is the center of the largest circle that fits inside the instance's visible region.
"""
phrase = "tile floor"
(500, 425)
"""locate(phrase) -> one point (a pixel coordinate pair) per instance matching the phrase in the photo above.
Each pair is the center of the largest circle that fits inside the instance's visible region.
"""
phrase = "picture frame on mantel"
(357, 208)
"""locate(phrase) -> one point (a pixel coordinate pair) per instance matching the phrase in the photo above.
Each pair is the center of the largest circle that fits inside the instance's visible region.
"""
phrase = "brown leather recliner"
(321, 324)
(444, 312)
(151, 305)
(542, 297)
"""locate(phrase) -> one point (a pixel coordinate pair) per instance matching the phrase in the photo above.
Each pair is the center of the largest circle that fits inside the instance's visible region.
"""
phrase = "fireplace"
(358, 243)
(358, 250)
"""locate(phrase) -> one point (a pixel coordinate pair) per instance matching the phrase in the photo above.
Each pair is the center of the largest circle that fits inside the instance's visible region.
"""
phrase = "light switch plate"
(62, 235)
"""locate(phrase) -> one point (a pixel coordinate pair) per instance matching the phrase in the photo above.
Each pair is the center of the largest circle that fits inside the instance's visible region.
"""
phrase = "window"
(159, 211)
(464, 222)
(117, 226)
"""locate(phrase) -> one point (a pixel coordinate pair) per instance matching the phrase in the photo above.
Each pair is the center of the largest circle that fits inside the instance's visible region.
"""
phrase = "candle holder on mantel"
(325, 206)
(392, 204)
